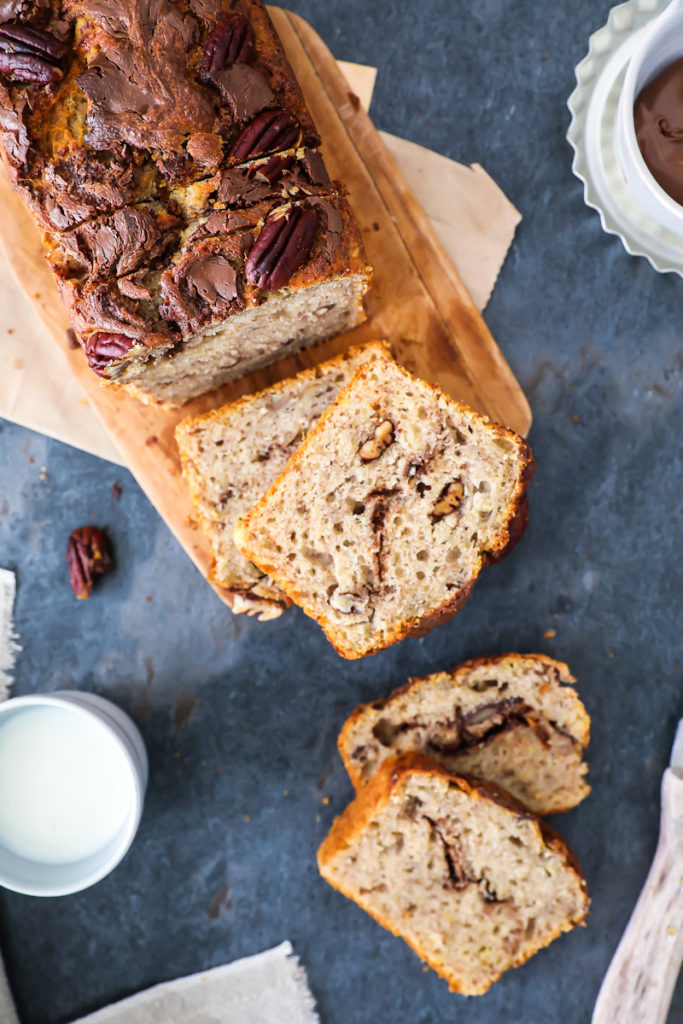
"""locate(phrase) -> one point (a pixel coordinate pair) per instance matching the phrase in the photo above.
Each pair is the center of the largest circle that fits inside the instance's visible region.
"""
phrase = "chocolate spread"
(658, 116)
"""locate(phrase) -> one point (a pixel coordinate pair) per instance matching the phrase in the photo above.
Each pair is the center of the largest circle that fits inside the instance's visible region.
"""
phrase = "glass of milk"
(73, 774)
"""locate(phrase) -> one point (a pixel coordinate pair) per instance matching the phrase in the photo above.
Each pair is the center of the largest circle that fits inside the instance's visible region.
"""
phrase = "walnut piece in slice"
(449, 500)
(378, 442)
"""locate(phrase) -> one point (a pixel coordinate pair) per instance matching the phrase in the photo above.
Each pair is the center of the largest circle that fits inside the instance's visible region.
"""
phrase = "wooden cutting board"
(417, 300)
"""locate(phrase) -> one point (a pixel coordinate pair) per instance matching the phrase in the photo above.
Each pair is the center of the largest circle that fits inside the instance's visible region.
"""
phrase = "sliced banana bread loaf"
(127, 126)
(383, 519)
(231, 293)
(471, 880)
(232, 455)
(514, 720)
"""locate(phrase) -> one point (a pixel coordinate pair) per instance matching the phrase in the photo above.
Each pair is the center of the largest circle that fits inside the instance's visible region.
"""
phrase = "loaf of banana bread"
(514, 720)
(166, 150)
(473, 881)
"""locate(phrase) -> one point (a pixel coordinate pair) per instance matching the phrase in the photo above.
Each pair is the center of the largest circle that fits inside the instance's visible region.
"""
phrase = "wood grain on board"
(417, 300)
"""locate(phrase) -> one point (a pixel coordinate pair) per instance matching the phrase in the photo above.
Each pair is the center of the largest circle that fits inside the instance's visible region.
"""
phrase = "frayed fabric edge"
(9, 641)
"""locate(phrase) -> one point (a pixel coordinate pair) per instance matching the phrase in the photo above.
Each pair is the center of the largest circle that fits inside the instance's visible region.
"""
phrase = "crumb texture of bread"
(514, 720)
(382, 521)
(232, 455)
(248, 341)
(473, 882)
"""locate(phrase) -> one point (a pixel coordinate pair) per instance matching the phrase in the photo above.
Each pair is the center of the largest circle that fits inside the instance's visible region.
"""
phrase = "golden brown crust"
(508, 535)
(374, 797)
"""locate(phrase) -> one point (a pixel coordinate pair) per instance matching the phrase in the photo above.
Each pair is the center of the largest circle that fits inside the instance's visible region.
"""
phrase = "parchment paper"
(472, 216)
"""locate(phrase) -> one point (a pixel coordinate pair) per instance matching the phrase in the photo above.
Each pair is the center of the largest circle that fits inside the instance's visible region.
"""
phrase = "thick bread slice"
(471, 880)
(514, 720)
(382, 521)
(232, 455)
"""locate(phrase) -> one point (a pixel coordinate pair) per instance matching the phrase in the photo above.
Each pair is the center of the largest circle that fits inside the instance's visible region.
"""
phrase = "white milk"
(65, 785)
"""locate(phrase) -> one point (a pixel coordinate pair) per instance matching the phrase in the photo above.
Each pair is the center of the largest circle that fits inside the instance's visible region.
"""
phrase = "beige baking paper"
(471, 215)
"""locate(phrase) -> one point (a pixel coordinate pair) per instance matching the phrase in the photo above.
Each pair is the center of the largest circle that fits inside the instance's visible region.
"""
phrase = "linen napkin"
(8, 1015)
(8, 650)
(471, 215)
(9, 646)
(269, 988)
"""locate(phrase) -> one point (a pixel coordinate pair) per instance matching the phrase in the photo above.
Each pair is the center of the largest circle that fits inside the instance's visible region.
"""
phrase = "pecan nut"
(349, 603)
(269, 130)
(378, 442)
(232, 41)
(103, 349)
(273, 169)
(24, 10)
(283, 247)
(89, 555)
(30, 54)
(449, 500)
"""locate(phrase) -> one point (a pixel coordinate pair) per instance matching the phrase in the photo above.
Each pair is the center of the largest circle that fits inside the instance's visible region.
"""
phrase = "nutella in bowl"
(658, 118)
(649, 124)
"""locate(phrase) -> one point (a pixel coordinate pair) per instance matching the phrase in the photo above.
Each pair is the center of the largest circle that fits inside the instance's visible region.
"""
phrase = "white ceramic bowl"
(36, 878)
(660, 45)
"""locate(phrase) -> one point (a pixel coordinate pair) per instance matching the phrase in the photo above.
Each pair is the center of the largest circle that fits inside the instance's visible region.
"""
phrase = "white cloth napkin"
(8, 651)
(9, 646)
(8, 1015)
(269, 988)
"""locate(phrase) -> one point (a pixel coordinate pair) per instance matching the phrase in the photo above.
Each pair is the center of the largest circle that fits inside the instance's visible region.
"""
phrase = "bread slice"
(471, 880)
(382, 521)
(514, 720)
(232, 455)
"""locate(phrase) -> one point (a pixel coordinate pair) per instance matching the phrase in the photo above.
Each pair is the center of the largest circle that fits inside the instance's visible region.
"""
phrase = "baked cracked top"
(105, 103)
(181, 282)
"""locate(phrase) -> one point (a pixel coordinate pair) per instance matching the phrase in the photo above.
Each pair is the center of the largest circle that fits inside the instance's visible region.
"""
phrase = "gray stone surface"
(240, 718)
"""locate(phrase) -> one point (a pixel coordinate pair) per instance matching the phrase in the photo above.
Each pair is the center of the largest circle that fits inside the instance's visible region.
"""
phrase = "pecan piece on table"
(378, 442)
(102, 349)
(89, 554)
(30, 54)
(283, 247)
(269, 130)
(232, 41)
